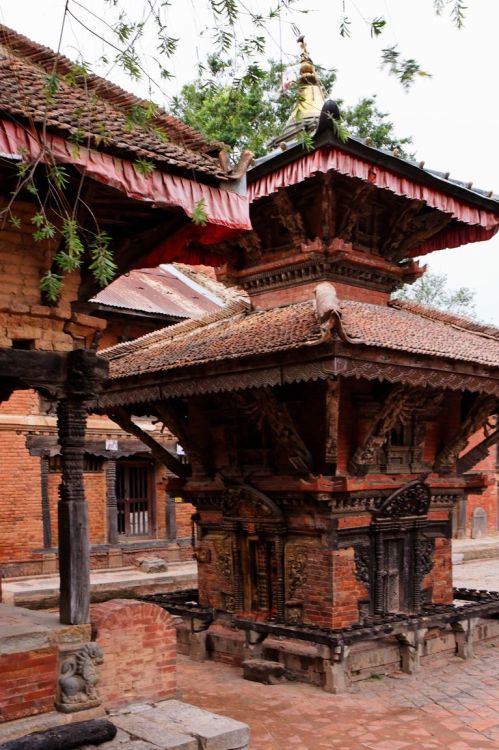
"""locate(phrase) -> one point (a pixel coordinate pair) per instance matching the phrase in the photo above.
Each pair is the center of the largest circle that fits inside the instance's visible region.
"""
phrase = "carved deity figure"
(78, 679)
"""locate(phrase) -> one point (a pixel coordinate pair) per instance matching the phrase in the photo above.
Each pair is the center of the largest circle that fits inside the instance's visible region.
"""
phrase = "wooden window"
(134, 498)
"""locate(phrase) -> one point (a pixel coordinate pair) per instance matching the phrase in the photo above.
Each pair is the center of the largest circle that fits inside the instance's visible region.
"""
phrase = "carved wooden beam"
(78, 373)
(399, 405)
(480, 411)
(171, 418)
(420, 229)
(121, 416)
(476, 454)
(263, 408)
(354, 208)
(289, 216)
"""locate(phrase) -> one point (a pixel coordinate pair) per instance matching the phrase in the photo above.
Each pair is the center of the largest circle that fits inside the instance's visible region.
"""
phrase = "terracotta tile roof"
(173, 290)
(419, 330)
(238, 332)
(94, 107)
(232, 334)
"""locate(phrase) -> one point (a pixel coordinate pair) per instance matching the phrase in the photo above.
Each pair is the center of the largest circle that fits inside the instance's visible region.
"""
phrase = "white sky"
(453, 116)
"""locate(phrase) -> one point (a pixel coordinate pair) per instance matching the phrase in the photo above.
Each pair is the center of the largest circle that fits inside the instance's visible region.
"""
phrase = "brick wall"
(276, 297)
(347, 589)
(27, 683)
(489, 498)
(138, 641)
(440, 577)
(20, 499)
(22, 264)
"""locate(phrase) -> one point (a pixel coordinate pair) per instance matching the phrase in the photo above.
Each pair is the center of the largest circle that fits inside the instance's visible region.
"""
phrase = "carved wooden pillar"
(44, 487)
(238, 589)
(279, 553)
(170, 517)
(74, 567)
(416, 604)
(380, 574)
(112, 502)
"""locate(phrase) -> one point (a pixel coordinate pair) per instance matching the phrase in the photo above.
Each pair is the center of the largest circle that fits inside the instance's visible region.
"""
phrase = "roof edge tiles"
(44, 57)
(457, 321)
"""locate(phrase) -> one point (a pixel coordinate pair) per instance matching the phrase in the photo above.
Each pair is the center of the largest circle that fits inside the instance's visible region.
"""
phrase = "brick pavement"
(454, 705)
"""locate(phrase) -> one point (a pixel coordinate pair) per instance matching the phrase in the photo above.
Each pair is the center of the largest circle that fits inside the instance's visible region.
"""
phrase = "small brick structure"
(139, 644)
(30, 646)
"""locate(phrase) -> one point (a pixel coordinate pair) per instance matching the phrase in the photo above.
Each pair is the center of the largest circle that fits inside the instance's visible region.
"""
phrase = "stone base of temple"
(337, 659)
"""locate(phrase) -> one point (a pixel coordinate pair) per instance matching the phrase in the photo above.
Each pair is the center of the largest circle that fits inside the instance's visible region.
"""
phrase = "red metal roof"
(167, 291)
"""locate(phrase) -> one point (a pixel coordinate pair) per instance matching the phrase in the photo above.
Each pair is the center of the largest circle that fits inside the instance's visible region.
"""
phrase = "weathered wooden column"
(74, 563)
(84, 376)
(112, 502)
(44, 489)
(170, 517)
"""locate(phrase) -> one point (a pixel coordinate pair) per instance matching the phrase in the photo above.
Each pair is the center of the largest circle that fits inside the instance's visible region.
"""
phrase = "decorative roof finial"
(307, 110)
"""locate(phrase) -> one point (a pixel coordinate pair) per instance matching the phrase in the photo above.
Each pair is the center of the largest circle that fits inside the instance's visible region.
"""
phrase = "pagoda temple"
(326, 424)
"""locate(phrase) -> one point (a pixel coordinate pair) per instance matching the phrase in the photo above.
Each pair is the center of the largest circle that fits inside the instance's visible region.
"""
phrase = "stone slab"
(104, 584)
(213, 731)
(26, 630)
(164, 737)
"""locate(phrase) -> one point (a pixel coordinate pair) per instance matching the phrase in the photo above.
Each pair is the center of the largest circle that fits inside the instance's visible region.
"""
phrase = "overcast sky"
(453, 117)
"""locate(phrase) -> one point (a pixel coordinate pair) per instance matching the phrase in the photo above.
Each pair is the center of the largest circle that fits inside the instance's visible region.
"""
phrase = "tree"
(431, 290)
(248, 112)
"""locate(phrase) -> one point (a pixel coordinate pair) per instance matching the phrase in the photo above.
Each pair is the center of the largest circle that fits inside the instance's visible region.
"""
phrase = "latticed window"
(133, 494)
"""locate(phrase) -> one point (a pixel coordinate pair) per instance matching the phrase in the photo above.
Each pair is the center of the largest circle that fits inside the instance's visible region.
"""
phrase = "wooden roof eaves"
(326, 138)
(333, 359)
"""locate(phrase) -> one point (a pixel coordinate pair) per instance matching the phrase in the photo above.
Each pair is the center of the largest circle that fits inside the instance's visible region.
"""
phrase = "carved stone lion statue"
(78, 678)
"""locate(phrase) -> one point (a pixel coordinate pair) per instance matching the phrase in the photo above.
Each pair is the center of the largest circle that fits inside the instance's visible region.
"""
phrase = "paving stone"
(138, 726)
(214, 732)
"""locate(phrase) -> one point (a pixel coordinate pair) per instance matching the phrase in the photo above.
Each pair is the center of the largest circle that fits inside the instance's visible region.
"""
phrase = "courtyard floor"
(453, 706)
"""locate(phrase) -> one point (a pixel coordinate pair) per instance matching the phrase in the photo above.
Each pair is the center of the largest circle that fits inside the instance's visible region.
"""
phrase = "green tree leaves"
(431, 290)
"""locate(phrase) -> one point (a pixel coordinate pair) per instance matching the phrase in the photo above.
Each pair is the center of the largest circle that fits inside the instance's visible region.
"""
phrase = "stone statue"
(78, 679)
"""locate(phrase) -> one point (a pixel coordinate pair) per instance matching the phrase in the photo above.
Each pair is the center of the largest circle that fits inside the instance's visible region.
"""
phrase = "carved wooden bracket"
(355, 207)
(476, 454)
(289, 216)
(480, 411)
(419, 229)
(398, 406)
(261, 405)
(171, 418)
(122, 417)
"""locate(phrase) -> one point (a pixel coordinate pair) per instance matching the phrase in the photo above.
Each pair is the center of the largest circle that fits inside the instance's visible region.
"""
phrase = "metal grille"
(133, 499)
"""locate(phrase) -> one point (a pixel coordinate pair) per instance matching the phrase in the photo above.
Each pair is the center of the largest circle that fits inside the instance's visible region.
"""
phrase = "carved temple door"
(258, 573)
(393, 578)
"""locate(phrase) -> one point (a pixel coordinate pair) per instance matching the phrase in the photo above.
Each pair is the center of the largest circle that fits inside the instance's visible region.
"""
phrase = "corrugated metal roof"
(163, 291)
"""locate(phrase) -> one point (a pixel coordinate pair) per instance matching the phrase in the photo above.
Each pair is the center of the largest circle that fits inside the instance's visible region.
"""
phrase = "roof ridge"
(171, 332)
(43, 56)
(457, 321)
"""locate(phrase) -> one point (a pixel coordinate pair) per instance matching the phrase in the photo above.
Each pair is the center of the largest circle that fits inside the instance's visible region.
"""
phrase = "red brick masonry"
(139, 644)
(27, 683)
